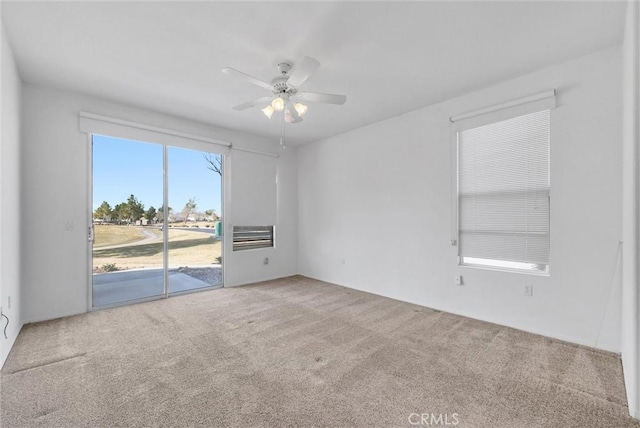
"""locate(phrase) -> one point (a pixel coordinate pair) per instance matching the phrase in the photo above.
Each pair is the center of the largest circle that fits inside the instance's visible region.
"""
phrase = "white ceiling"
(387, 57)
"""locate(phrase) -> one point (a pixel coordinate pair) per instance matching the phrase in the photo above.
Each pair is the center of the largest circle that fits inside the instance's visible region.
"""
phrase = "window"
(503, 194)
(252, 237)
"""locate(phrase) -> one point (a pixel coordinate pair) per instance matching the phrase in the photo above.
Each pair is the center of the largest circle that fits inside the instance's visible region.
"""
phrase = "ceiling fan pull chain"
(282, 143)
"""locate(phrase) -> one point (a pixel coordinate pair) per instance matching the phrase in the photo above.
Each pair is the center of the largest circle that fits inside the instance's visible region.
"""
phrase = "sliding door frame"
(201, 146)
(89, 228)
(165, 222)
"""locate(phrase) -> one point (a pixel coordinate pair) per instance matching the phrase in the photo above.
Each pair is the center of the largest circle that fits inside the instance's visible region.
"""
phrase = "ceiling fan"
(286, 97)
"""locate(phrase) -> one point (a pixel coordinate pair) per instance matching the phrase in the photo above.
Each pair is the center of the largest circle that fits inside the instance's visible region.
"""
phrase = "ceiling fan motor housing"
(280, 86)
(284, 68)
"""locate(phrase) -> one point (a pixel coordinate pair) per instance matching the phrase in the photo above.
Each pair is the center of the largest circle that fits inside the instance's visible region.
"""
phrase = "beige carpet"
(300, 352)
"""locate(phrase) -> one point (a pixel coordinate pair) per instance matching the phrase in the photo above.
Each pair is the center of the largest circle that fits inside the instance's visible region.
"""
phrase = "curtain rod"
(525, 100)
(153, 129)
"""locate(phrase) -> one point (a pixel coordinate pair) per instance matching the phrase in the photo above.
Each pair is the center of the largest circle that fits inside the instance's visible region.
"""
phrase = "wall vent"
(252, 237)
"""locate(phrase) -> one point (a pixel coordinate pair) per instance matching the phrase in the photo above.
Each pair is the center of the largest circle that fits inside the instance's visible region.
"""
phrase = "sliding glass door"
(155, 220)
(128, 250)
(195, 247)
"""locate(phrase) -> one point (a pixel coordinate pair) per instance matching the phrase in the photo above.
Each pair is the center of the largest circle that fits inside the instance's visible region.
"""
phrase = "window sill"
(505, 270)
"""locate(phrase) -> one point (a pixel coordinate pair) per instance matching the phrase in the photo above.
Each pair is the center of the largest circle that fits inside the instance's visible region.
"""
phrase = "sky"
(123, 167)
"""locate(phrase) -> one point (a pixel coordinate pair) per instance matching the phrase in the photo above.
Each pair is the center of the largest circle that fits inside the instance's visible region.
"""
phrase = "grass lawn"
(107, 235)
(186, 248)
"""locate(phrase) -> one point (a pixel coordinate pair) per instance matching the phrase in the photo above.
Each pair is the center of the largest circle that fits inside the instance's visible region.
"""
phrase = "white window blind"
(92, 123)
(503, 193)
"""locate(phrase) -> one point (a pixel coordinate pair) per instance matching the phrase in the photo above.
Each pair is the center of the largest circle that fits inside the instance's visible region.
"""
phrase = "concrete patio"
(118, 287)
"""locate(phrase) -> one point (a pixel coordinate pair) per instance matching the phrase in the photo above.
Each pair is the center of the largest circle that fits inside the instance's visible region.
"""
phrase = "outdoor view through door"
(142, 249)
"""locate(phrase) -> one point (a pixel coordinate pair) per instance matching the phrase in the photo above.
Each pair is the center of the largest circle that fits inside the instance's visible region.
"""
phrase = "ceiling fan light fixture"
(284, 89)
(277, 104)
(268, 111)
(301, 108)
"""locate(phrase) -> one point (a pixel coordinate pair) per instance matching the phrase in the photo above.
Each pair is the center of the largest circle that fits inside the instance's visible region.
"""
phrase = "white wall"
(10, 217)
(630, 340)
(375, 210)
(56, 188)
(251, 205)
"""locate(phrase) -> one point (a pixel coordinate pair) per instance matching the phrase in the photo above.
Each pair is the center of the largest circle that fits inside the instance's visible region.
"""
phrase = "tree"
(122, 212)
(160, 213)
(150, 214)
(214, 162)
(189, 207)
(103, 212)
(211, 214)
(136, 208)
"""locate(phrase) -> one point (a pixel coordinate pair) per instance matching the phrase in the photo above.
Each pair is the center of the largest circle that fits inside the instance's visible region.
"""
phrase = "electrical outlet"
(457, 280)
(266, 260)
(528, 290)
(344, 261)
(9, 302)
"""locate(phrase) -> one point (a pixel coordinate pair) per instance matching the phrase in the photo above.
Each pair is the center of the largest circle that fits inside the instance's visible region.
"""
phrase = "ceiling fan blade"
(245, 76)
(322, 98)
(302, 72)
(250, 104)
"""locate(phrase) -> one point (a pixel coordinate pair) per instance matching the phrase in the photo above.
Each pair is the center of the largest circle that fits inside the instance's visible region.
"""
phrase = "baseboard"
(10, 343)
(53, 316)
(538, 332)
(254, 281)
(527, 329)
